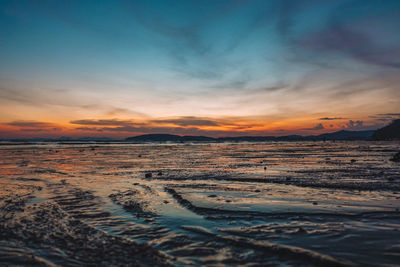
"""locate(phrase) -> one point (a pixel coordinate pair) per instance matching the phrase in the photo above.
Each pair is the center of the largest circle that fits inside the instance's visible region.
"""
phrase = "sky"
(212, 67)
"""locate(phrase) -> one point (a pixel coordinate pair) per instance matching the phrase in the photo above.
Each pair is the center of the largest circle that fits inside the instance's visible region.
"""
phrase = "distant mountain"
(189, 138)
(155, 138)
(345, 135)
(390, 132)
(340, 135)
(93, 139)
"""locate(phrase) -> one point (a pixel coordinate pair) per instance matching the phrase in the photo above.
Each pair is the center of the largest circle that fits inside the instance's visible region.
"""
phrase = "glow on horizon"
(216, 68)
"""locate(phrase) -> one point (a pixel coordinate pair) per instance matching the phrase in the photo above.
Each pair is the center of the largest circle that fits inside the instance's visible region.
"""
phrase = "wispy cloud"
(331, 118)
(33, 124)
(317, 127)
(385, 116)
(188, 121)
(110, 122)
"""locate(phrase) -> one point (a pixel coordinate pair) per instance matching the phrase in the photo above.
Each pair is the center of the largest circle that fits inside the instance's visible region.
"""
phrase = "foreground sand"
(28, 229)
(318, 204)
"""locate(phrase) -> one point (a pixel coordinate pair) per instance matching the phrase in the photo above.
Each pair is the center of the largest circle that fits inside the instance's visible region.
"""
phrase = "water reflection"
(292, 203)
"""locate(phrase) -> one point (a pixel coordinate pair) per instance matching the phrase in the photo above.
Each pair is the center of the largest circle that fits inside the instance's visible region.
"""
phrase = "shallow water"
(286, 203)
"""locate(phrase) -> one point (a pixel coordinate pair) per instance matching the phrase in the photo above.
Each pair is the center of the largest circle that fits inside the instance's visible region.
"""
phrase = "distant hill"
(94, 139)
(340, 135)
(390, 132)
(188, 138)
(345, 135)
(381, 134)
(155, 138)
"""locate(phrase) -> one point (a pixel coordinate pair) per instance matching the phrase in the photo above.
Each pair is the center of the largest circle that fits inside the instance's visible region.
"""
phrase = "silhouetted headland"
(390, 132)
(339, 135)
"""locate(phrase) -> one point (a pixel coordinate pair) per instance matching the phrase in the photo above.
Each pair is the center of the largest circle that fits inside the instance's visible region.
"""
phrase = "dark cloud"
(331, 118)
(390, 114)
(32, 124)
(188, 125)
(185, 121)
(189, 121)
(111, 122)
(352, 123)
(355, 30)
(385, 117)
(32, 130)
(356, 125)
(355, 44)
(155, 129)
(90, 129)
(319, 126)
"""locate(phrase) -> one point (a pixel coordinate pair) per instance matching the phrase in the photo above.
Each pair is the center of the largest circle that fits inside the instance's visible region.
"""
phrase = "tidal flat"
(166, 204)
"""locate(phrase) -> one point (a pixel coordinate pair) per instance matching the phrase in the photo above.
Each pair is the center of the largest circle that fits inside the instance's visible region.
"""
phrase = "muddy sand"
(244, 204)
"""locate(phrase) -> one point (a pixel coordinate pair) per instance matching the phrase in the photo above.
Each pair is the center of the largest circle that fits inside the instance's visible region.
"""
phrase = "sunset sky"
(216, 68)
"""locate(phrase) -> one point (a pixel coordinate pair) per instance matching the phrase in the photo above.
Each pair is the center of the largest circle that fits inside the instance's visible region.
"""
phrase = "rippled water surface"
(295, 203)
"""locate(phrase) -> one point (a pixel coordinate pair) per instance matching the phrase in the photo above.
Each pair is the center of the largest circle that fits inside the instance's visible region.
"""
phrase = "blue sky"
(280, 64)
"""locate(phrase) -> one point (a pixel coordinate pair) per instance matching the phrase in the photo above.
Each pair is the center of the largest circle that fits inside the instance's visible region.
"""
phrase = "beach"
(177, 204)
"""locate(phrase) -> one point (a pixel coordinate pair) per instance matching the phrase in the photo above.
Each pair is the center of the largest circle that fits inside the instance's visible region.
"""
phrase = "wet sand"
(290, 203)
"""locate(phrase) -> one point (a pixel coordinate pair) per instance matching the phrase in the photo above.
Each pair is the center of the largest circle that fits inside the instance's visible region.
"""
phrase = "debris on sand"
(129, 200)
(47, 226)
(396, 157)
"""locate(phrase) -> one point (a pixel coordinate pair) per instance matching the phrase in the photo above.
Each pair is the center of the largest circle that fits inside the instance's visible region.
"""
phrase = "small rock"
(212, 196)
(166, 201)
(396, 157)
(265, 168)
(257, 191)
(353, 161)
(159, 173)
(301, 230)
(148, 175)
(315, 203)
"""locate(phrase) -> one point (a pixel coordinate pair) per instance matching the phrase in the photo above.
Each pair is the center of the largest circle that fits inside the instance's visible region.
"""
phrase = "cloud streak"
(33, 124)
(317, 127)
(331, 118)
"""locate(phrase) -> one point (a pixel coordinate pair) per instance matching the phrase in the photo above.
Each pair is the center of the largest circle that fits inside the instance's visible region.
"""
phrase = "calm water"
(294, 203)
